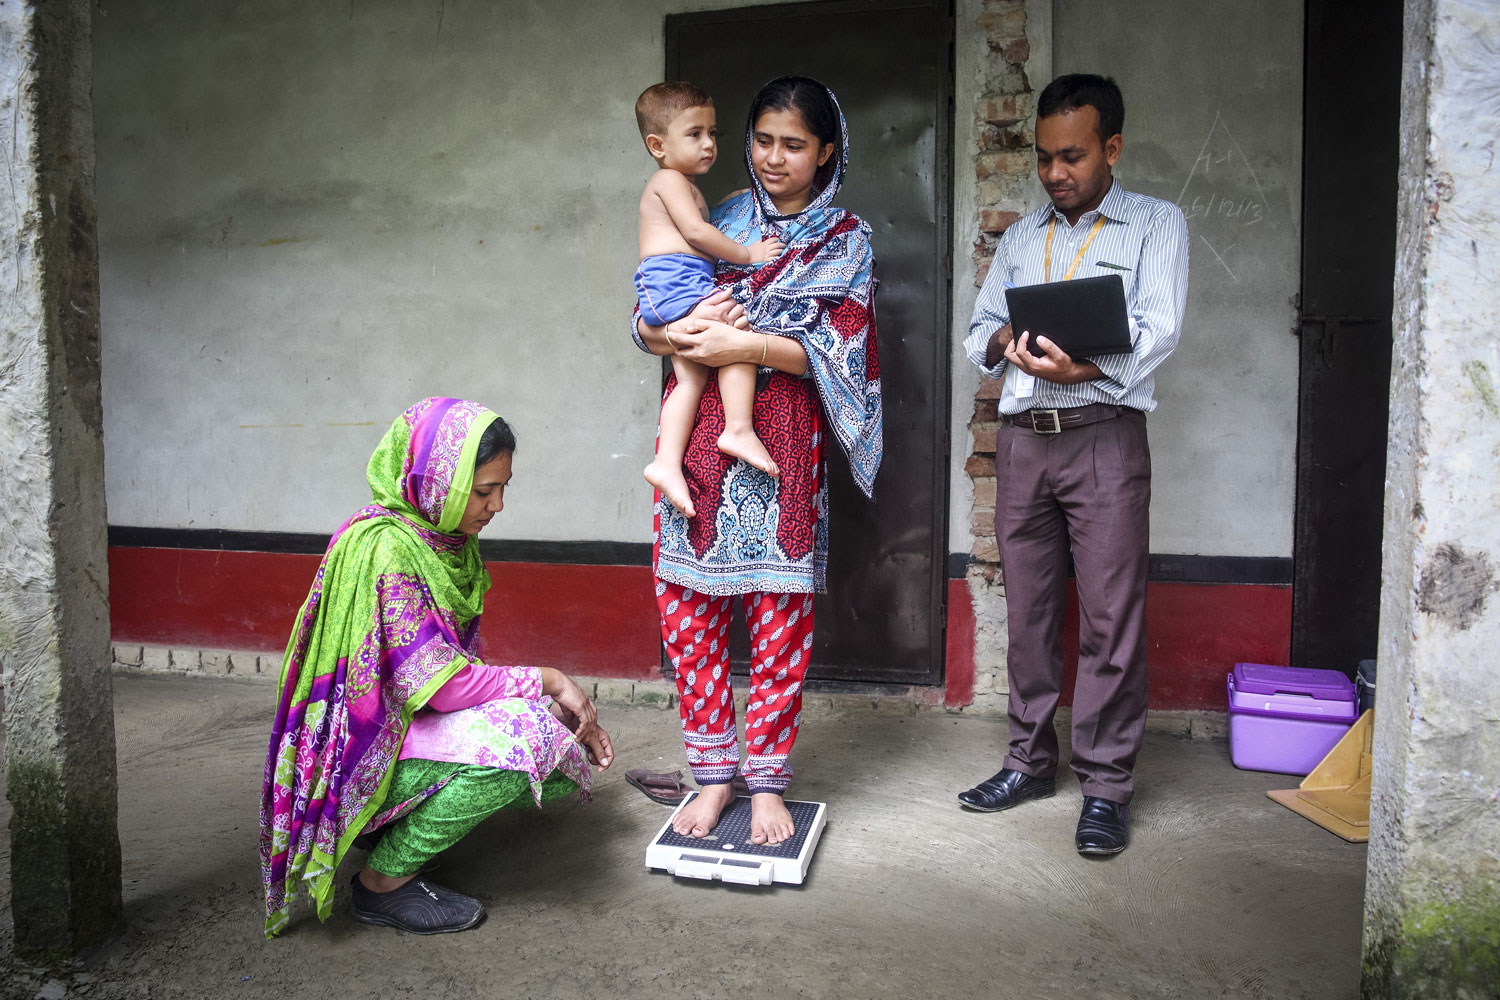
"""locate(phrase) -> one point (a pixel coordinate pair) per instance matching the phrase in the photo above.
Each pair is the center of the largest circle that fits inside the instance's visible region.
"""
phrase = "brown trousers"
(1088, 490)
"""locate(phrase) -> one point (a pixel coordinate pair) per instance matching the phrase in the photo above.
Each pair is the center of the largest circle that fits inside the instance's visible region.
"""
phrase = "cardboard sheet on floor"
(1336, 795)
(728, 855)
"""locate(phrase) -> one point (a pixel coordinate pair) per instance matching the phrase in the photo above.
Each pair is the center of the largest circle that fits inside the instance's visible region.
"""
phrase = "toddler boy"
(678, 247)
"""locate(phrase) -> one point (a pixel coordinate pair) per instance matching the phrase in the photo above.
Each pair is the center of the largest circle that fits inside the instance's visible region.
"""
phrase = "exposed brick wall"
(1004, 174)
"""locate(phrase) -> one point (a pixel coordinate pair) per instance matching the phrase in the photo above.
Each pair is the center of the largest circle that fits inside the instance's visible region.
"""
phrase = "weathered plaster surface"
(312, 214)
(1432, 907)
(54, 611)
(991, 634)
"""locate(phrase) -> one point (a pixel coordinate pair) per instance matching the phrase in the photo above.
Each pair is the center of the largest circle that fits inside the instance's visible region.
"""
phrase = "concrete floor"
(1222, 893)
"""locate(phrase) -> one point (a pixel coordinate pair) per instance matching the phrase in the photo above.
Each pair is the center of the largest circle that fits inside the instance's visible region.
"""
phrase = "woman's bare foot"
(770, 823)
(699, 817)
(746, 445)
(667, 478)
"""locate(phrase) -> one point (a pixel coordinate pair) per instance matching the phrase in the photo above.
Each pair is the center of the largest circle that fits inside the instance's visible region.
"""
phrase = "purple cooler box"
(1286, 719)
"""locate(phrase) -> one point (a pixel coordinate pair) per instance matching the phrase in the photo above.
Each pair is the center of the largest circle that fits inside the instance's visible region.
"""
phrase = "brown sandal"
(667, 788)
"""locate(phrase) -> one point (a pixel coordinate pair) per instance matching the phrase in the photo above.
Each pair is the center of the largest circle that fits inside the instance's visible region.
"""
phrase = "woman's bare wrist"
(550, 685)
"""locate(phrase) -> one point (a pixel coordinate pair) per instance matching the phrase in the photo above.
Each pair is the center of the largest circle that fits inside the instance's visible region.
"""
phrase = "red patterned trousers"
(695, 630)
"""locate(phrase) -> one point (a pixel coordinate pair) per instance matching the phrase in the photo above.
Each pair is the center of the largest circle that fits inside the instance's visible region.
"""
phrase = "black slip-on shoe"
(1007, 789)
(1103, 827)
(421, 906)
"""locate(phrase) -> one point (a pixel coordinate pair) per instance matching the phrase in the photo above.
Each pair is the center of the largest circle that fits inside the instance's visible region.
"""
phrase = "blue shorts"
(669, 285)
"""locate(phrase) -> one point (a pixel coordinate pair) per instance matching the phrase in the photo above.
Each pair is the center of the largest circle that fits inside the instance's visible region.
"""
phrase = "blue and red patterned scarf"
(820, 292)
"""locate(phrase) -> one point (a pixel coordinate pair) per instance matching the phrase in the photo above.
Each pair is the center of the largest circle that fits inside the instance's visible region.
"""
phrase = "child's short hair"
(662, 102)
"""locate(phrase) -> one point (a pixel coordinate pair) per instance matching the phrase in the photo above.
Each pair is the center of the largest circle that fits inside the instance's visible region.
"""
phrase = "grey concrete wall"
(1432, 925)
(54, 604)
(1220, 135)
(314, 213)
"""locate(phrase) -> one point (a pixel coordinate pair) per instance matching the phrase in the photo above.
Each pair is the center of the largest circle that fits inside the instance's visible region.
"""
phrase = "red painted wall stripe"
(958, 672)
(206, 598)
(1196, 633)
(601, 621)
(597, 621)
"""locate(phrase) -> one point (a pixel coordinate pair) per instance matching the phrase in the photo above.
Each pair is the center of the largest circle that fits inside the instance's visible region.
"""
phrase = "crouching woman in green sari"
(388, 721)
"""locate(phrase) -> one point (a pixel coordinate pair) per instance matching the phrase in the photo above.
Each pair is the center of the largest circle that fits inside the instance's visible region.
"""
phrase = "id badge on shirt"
(1022, 385)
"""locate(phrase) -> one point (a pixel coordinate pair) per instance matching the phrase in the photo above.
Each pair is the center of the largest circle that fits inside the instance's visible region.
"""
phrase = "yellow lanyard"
(1078, 259)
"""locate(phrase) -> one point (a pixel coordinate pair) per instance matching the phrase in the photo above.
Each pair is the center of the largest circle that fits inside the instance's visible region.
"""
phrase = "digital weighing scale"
(727, 853)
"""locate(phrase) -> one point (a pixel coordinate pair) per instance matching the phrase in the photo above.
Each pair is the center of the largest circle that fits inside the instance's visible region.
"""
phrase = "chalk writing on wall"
(1222, 197)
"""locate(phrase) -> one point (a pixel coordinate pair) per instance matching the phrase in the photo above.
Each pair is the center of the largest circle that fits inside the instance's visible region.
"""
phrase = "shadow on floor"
(1222, 892)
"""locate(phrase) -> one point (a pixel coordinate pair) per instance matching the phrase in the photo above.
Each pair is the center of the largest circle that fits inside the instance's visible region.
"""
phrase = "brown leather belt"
(1057, 421)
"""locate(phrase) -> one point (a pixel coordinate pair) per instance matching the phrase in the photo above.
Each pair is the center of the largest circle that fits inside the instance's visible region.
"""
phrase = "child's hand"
(767, 249)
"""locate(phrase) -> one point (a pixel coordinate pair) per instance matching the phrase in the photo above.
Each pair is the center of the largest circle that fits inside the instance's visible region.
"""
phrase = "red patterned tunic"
(754, 533)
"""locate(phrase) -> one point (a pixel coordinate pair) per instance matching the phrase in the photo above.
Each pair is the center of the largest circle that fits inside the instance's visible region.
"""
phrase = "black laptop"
(1085, 317)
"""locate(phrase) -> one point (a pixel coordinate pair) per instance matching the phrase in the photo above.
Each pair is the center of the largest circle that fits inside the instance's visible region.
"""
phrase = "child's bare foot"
(699, 817)
(667, 477)
(746, 445)
(770, 823)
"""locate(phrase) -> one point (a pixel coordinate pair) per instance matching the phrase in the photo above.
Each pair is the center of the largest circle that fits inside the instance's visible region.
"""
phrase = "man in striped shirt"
(1072, 466)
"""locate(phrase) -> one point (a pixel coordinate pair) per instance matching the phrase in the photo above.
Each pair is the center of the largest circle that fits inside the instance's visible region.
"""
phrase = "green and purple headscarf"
(356, 669)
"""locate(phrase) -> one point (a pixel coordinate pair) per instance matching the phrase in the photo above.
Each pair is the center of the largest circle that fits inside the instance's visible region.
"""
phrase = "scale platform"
(727, 855)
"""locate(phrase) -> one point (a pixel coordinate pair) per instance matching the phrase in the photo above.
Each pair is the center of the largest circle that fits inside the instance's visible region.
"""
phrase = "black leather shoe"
(1103, 827)
(1006, 789)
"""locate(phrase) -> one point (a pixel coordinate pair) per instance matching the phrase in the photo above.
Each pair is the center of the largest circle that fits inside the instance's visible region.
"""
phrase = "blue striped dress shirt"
(1147, 241)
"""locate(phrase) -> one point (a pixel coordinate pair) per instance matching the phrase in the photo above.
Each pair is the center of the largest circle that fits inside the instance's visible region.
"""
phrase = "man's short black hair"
(1077, 90)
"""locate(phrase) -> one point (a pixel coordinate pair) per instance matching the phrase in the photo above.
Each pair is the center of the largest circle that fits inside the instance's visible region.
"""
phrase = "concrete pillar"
(1432, 909)
(54, 609)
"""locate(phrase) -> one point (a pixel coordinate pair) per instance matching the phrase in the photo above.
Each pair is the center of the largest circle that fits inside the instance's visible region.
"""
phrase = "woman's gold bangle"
(765, 345)
(669, 340)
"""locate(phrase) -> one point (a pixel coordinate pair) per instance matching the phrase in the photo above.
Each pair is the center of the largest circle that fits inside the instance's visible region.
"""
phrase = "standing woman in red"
(811, 330)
